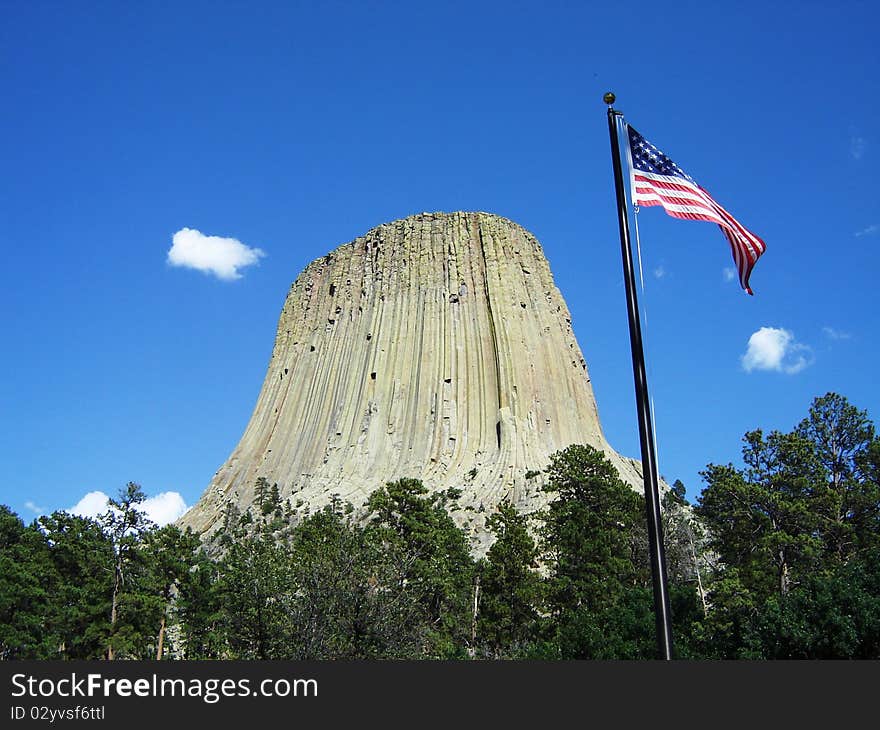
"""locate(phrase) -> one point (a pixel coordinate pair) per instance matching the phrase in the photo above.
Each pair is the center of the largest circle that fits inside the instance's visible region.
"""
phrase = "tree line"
(779, 558)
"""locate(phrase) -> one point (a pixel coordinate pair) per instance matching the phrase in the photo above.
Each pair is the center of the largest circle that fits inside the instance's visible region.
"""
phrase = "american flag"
(657, 180)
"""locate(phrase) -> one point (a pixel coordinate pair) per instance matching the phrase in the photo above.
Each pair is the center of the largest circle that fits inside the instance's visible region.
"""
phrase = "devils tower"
(435, 347)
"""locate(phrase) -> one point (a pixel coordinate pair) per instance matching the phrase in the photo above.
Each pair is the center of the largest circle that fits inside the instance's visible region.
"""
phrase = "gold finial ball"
(609, 98)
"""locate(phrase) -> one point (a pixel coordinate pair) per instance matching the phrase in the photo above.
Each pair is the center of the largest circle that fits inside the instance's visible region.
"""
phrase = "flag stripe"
(657, 180)
(676, 196)
(687, 212)
(667, 181)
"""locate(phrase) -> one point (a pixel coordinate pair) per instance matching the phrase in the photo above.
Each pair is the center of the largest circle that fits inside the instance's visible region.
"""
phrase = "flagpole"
(662, 613)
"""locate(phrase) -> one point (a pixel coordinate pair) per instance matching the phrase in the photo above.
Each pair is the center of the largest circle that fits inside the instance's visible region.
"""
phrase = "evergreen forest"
(779, 558)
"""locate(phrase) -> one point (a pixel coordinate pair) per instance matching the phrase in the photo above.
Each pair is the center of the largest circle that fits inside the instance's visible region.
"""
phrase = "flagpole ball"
(609, 98)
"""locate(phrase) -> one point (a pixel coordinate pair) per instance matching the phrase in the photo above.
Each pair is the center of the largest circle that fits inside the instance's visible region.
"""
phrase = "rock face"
(435, 347)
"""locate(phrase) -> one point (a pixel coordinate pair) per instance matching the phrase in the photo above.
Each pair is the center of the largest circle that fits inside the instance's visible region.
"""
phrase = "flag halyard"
(656, 180)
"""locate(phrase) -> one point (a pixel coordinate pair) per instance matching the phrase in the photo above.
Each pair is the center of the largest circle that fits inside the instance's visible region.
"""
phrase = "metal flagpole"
(662, 613)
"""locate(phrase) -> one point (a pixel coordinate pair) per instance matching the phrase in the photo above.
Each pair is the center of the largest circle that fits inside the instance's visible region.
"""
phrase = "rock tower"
(435, 347)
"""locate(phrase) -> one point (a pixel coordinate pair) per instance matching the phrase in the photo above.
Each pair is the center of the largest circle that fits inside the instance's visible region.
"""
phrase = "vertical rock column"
(435, 347)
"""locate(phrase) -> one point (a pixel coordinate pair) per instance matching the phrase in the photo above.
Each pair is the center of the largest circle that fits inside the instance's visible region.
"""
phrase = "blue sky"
(295, 127)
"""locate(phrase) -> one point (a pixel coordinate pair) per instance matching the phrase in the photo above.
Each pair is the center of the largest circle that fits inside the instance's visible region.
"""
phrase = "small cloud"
(222, 257)
(857, 145)
(869, 231)
(729, 274)
(833, 334)
(776, 350)
(162, 509)
(659, 272)
(91, 505)
(33, 508)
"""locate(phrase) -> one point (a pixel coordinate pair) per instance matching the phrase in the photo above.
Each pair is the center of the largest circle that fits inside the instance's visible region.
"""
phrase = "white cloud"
(857, 145)
(729, 273)
(660, 272)
(834, 334)
(162, 509)
(776, 349)
(33, 508)
(869, 231)
(222, 257)
(92, 505)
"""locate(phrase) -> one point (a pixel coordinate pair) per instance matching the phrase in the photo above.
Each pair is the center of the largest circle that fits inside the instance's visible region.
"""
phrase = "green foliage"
(410, 520)
(779, 559)
(589, 541)
(728, 631)
(82, 558)
(272, 503)
(132, 605)
(198, 610)
(326, 588)
(261, 491)
(846, 501)
(683, 538)
(677, 492)
(763, 518)
(587, 532)
(510, 586)
(169, 555)
(792, 531)
(623, 629)
(352, 597)
(254, 576)
(864, 513)
(27, 577)
(829, 616)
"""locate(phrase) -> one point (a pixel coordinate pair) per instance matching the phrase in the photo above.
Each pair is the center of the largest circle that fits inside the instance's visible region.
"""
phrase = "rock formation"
(435, 347)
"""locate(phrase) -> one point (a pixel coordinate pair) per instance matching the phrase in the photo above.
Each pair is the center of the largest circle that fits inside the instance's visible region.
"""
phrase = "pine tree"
(351, 597)
(598, 601)
(254, 583)
(510, 586)
(842, 435)
(170, 555)
(261, 491)
(417, 523)
(27, 579)
(124, 525)
(82, 558)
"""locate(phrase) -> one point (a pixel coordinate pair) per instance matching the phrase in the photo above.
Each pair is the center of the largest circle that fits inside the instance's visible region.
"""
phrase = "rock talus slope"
(435, 347)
